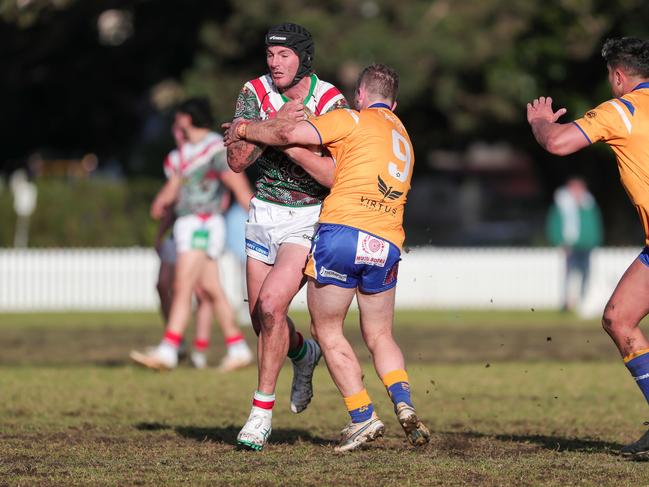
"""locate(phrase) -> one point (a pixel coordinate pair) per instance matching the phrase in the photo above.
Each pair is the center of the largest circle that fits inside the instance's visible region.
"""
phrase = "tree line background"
(102, 77)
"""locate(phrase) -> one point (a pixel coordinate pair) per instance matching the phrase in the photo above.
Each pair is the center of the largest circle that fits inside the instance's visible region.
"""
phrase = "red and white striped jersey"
(280, 180)
(322, 96)
(200, 166)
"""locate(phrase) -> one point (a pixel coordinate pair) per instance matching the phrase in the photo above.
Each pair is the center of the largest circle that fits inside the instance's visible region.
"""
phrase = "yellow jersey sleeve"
(335, 125)
(610, 122)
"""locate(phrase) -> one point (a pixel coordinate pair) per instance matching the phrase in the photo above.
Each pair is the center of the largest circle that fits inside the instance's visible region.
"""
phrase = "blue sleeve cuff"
(316, 130)
(582, 131)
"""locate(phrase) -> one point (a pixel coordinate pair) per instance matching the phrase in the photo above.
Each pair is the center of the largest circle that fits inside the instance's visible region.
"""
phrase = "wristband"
(241, 130)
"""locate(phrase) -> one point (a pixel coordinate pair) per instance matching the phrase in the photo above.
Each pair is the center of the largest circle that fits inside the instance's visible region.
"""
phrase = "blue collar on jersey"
(380, 105)
(641, 85)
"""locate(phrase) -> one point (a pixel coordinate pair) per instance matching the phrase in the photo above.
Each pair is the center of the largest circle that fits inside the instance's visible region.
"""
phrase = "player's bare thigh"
(328, 306)
(285, 278)
(628, 304)
(376, 312)
(188, 269)
(210, 280)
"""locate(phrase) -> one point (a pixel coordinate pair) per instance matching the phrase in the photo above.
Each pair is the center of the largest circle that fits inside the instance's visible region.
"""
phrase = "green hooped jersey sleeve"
(280, 180)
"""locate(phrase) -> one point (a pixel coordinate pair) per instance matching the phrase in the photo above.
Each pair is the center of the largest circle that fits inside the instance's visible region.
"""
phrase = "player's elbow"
(558, 147)
(235, 162)
(236, 167)
(327, 181)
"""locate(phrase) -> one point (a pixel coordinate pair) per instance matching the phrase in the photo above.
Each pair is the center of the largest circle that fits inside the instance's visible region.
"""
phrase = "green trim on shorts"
(284, 204)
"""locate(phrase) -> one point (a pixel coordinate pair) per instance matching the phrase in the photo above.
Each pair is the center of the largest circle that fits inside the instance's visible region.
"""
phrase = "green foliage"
(472, 62)
(86, 213)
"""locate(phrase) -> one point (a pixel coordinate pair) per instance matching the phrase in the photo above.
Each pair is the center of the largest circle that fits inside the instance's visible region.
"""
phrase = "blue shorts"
(348, 257)
(644, 256)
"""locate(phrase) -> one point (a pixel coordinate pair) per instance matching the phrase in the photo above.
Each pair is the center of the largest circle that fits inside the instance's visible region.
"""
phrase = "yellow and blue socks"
(396, 382)
(359, 406)
(638, 365)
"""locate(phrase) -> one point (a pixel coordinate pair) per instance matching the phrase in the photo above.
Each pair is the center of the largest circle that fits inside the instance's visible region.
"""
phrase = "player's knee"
(607, 324)
(328, 341)
(270, 310)
(375, 339)
(613, 323)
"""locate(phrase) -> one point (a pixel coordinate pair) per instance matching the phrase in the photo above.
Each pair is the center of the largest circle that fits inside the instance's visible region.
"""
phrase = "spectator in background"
(198, 183)
(575, 224)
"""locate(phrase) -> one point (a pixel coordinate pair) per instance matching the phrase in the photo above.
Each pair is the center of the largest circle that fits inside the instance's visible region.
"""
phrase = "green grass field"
(511, 399)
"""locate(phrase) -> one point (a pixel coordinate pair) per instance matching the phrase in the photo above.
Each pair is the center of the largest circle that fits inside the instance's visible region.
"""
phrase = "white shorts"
(270, 225)
(168, 251)
(194, 233)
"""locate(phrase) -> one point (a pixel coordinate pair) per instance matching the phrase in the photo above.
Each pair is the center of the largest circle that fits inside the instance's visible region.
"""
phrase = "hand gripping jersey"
(280, 180)
(623, 123)
(200, 166)
(374, 162)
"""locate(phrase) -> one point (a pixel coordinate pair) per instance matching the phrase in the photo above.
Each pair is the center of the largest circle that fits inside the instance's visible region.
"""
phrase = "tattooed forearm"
(242, 154)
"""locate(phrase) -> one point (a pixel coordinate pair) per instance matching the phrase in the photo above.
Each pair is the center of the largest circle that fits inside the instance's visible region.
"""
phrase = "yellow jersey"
(623, 123)
(374, 161)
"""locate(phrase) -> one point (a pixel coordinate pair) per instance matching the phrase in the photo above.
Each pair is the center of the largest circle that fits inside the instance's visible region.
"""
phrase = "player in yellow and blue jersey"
(623, 123)
(357, 247)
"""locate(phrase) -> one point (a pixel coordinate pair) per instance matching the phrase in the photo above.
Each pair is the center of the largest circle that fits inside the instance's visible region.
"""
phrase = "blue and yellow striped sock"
(638, 365)
(359, 406)
(396, 382)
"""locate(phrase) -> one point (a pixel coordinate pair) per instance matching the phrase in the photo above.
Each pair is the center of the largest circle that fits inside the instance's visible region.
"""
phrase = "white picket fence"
(488, 278)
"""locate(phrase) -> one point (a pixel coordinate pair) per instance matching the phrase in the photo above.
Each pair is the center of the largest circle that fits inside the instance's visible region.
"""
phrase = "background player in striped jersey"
(282, 217)
(166, 250)
(622, 123)
(357, 247)
(198, 183)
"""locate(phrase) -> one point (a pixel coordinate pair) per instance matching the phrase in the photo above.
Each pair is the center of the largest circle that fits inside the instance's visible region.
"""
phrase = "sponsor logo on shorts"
(255, 247)
(332, 274)
(391, 276)
(371, 250)
(641, 377)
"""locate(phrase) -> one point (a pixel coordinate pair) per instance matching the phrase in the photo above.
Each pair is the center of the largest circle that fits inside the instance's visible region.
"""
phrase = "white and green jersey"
(280, 180)
(200, 166)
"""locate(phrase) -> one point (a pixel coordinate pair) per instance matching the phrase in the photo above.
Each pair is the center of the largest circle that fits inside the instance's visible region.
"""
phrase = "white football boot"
(357, 434)
(198, 359)
(255, 433)
(234, 361)
(162, 357)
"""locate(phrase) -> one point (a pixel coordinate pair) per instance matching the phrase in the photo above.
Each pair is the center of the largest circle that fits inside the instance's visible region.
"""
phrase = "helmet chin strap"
(299, 76)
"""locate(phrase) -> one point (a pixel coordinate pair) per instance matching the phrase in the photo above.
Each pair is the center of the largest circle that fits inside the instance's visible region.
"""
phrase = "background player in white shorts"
(166, 249)
(282, 218)
(198, 184)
